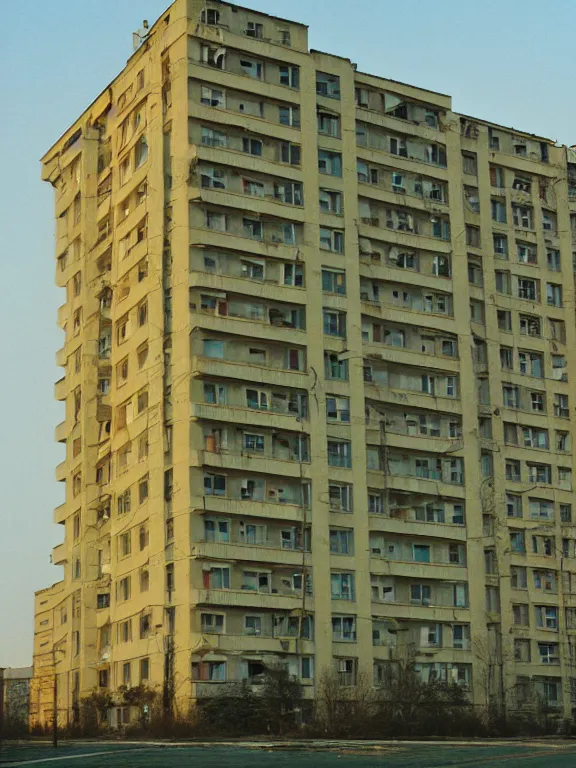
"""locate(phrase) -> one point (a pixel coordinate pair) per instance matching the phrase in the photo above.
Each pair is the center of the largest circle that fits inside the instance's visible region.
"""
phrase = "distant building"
(14, 697)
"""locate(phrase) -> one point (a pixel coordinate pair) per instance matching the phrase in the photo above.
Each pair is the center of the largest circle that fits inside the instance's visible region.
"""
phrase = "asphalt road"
(383, 755)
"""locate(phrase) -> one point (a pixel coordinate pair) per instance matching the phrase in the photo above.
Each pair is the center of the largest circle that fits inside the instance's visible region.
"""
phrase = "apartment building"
(316, 379)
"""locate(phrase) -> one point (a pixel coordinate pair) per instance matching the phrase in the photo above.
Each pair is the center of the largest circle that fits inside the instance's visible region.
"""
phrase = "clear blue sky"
(509, 61)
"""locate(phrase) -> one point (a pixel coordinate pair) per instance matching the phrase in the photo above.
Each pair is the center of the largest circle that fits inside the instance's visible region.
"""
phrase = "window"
(212, 623)
(253, 625)
(518, 577)
(469, 164)
(213, 138)
(212, 97)
(213, 348)
(329, 163)
(124, 502)
(294, 275)
(546, 616)
(289, 153)
(328, 124)
(209, 671)
(502, 280)
(140, 152)
(526, 253)
(251, 68)
(553, 295)
(548, 653)
(289, 76)
(561, 406)
(217, 530)
(522, 216)
(214, 178)
(344, 628)
(420, 594)
(252, 146)
(513, 470)
(504, 320)
(527, 289)
(506, 358)
(328, 85)
(144, 581)
(498, 210)
(254, 29)
(342, 586)
(520, 614)
(539, 473)
(253, 443)
(338, 408)
(334, 281)
(531, 364)
(330, 201)
(530, 325)
(566, 513)
(289, 116)
(334, 368)
(210, 16)
(103, 600)
(214, 485)
(215, 394)
(340, 497)
(339, 453)
(518, 542)
(143, 489)
(125, 544)
(553, 260)
(332, 240)
(341, 541)
(500, 245)
(334, 323)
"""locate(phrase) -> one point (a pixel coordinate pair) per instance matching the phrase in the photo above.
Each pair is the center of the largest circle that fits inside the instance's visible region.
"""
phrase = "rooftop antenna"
(140, 36)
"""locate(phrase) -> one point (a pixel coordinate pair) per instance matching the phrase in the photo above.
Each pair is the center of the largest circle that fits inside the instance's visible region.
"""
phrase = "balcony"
(229, 598)
(414, 612)
(267, 288)
(62, 317)
(61, 357)
(288, 510)
(61, 471)
(61, 432)
(247, 371)
(250, 462)
(249, 326)
(271, 419)
(61, 389)
(60, 554)
(409, 525)
(59, 514)
(382, 565)
(258, 552)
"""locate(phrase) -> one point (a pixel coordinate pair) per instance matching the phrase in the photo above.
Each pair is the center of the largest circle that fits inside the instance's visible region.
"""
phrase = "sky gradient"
(509, 61)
